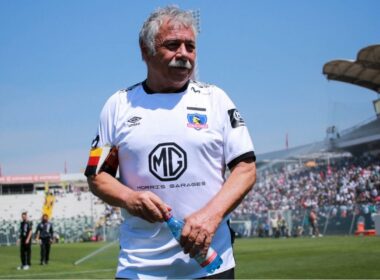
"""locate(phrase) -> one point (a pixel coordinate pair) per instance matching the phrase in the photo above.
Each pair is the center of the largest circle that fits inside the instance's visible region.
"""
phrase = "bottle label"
(211, 255)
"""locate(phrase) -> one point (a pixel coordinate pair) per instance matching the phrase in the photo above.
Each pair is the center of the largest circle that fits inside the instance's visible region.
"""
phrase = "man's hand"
(201, 226)
(147, 206)
(198, 232)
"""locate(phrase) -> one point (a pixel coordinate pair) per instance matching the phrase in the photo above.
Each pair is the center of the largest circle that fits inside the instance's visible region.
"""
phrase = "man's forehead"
(172, 30)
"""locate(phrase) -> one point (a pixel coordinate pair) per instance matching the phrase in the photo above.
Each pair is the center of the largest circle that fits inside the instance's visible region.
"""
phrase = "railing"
(353, 128)
(332, 220)
(78, 229)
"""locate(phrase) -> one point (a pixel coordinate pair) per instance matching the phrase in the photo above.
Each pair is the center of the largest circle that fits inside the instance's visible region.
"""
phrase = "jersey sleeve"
(105, 136)
(107, 122)
(238, 144)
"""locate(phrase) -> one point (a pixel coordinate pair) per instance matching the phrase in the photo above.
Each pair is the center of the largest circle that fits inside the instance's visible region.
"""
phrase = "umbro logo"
(196, 91)
(134, 121)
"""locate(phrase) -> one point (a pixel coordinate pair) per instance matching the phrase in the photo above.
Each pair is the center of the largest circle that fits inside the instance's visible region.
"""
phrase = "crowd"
(343, 182)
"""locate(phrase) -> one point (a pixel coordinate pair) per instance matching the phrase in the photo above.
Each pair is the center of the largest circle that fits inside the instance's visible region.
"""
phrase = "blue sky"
(60, 61)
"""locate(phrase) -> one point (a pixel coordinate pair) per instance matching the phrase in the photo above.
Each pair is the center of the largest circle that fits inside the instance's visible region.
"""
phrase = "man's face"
(24, 217)
(175, 45)
(45, 218)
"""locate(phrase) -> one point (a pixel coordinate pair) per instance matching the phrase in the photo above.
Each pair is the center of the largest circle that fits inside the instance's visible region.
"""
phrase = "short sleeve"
(107, 123)
(105, 137)
(238, 144)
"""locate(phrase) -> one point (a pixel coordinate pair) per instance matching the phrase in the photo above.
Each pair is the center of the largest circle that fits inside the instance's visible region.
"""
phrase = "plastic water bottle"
(211, 261)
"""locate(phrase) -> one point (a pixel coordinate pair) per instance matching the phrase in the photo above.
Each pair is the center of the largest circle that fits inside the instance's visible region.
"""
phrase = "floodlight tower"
(197, 17)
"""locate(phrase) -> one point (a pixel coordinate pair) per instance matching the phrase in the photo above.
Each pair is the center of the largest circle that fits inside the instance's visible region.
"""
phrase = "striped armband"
(102, 159)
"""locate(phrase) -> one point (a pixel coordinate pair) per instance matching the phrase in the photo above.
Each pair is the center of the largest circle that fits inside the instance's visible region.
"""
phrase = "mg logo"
(167, 161)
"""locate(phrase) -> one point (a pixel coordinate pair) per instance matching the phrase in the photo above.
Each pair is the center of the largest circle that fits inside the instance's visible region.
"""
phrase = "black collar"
(150, 91)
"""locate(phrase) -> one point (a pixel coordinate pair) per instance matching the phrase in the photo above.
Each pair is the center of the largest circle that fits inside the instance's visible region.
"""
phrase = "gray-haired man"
(173, 138)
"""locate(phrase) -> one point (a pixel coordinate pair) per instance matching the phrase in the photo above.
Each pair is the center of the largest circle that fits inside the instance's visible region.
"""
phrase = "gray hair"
(152, 25)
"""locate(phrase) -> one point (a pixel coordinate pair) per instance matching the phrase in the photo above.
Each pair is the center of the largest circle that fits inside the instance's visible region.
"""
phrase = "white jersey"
(177, 146)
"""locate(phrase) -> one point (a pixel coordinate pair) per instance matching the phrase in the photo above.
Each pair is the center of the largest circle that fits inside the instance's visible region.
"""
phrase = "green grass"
(327, 257)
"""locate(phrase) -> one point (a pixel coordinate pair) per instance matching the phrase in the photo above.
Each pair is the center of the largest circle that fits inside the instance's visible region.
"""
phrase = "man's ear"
(144, 51)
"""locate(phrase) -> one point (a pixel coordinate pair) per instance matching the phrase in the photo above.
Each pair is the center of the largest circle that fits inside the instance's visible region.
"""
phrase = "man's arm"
(37, 233)
(145, 205)
(29, 236)
(51, 232)
(200, 227)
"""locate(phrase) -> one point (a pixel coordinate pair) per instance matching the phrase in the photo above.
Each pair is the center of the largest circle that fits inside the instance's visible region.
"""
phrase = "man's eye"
(172, 46)
(190, 47)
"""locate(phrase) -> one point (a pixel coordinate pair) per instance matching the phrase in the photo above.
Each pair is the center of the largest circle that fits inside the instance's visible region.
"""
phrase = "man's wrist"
(127, 197)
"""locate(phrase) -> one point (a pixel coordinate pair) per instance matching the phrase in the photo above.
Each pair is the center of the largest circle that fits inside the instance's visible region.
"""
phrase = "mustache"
(180, 64)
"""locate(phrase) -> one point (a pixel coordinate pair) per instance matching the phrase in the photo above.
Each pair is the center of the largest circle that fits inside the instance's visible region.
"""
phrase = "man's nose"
(182, 51)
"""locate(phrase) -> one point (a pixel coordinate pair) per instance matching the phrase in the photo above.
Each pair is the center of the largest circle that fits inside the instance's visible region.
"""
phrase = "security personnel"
(25, 241)
(44, 233)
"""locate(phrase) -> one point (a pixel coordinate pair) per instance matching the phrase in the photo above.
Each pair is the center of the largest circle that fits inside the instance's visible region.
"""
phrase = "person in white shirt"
(172, 139)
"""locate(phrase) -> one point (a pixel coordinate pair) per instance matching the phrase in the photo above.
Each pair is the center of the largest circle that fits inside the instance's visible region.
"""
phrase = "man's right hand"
(147, 206)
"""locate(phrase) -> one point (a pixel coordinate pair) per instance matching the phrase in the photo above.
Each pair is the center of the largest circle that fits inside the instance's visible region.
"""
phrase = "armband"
(102, 159)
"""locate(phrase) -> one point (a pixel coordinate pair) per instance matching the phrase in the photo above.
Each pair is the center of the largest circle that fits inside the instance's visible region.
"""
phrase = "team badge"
(235, 118)
(197, 121)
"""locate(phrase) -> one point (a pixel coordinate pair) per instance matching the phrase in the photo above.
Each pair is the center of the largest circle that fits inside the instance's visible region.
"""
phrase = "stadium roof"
(364, 71)
(363, 137)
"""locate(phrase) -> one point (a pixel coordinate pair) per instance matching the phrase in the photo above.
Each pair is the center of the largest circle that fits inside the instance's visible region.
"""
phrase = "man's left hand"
(198, 232)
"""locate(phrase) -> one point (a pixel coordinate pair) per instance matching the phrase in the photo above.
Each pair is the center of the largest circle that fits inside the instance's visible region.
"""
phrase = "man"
(44, 233)
(282, 226)
(313, 220)
(274, 225)
(173, 138)
(25, 237)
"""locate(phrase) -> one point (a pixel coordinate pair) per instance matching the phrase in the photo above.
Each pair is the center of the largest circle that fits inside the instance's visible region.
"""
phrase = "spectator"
(313, 221)
(351, 180)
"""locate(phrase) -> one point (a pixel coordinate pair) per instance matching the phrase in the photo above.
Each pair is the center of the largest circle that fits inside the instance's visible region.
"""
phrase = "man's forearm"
(109, 189)
(201, 226)
(29, 237)
(145, 205)
(237, 185)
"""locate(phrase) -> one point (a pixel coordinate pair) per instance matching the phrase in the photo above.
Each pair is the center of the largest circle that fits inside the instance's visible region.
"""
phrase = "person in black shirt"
(44, 233)
(25, 241)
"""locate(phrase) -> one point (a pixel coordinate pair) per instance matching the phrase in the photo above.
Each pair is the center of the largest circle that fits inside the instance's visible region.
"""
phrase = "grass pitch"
(324, 258)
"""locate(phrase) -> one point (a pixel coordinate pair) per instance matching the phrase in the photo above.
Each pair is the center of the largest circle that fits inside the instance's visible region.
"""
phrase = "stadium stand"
(13, 205)
(76, 216)
(342, 190)
(338, 176)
